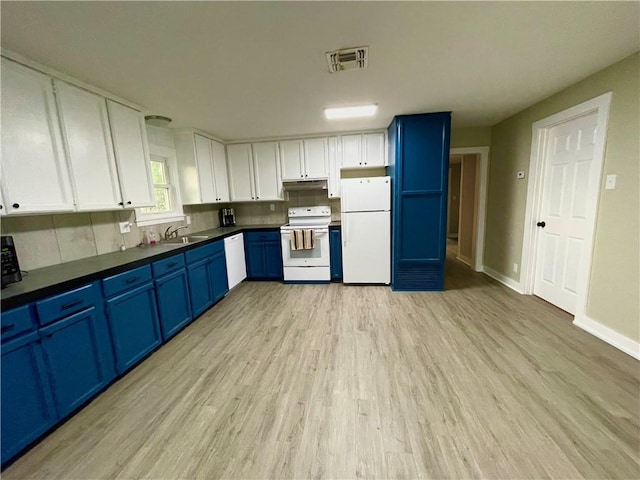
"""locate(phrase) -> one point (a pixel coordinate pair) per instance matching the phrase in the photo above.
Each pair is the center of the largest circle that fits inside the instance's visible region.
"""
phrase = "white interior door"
(569, 181)
(366, 247)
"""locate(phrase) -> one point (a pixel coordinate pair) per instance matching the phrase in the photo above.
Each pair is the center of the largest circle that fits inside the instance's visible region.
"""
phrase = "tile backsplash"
(43, 240)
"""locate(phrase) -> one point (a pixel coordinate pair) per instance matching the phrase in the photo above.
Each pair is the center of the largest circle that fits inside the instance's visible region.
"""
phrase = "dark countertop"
(335, 224)
(59, 278)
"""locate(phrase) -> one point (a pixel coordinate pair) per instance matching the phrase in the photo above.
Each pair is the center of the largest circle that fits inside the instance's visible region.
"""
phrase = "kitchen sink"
(186, 239)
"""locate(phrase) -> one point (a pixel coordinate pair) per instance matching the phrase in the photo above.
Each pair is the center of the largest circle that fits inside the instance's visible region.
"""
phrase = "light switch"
(520, 174)
(610, 182)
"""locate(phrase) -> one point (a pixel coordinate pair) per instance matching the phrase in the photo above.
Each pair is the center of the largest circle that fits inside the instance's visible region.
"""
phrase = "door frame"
(483, 155)
(601, 106)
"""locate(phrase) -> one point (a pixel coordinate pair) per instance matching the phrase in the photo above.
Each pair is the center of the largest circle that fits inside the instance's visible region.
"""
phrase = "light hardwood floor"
(333, 381)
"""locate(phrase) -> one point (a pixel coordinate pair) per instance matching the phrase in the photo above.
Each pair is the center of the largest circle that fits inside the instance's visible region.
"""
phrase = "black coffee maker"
(227, 217)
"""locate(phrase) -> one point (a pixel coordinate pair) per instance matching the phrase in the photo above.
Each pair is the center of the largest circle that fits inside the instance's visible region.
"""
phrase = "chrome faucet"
(173, 233)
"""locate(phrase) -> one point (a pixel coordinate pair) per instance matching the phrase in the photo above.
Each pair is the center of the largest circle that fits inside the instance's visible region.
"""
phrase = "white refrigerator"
(366, 230)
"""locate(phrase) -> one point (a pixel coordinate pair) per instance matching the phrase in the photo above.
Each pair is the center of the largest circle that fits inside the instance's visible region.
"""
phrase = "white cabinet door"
(205, 169)
(266, 168)
(132, 155)
(292, 153)
(316, 158)
(334, 167)
(35, 177)
(240, 172)
(374, 151)
(351, 151)
(220, 176)
(87, 136)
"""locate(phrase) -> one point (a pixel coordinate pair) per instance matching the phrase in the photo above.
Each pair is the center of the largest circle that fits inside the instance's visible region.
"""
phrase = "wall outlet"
(515, 268)
(272, 207)
(520, 174)
(125, 227)
(610, 182)
(188, 219)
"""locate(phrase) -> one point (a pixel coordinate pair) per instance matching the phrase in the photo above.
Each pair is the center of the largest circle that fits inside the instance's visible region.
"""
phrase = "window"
(163, 172)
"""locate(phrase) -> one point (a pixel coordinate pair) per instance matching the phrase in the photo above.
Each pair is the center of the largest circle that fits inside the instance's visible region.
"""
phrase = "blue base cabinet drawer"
(78, 357)
(27, 404)
(174, 306)
(133, 322)
(16, 321)
(68, 303)
(123, 282)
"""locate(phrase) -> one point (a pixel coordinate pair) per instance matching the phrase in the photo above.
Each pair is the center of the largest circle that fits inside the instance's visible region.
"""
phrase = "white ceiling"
(252, 70)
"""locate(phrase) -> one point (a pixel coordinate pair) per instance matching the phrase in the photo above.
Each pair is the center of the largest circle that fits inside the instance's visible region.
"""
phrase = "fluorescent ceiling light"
(350, 112)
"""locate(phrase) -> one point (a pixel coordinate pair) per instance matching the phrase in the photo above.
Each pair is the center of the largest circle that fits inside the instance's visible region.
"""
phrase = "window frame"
(176, 214)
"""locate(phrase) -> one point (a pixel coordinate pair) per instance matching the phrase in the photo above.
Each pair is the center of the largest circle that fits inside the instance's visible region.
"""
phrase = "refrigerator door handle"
(344, 234)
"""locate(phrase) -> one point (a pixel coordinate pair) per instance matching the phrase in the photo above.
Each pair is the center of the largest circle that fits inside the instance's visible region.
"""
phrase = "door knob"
(541, 224)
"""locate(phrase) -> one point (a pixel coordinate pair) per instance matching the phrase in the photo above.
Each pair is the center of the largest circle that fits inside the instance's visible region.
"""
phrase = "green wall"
(614, 285)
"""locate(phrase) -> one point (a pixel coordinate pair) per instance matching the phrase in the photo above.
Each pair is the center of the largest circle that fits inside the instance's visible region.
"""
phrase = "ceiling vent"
(348, 59)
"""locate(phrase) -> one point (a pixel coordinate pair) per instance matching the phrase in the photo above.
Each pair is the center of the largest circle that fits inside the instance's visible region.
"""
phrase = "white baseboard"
(621, 342)
(509, 282)
(465, 260)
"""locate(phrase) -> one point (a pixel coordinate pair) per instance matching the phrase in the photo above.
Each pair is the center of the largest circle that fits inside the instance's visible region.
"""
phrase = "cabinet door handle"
(133, 279)
(69, 305)
(7, 328)
(172, 264)
(1, 207)
(129, 203)
(121, 204)
(16, 205)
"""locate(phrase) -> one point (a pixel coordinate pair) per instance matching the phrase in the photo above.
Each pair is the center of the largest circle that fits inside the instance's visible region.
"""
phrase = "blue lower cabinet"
(78, 357)
(263, 253)
(174, 308)
(134, 325)
(218, 276)
(199, 287)
(27, 404)
(335, 248)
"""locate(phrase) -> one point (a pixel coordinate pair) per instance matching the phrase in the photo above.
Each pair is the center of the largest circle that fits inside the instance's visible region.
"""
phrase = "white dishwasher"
(236, 266)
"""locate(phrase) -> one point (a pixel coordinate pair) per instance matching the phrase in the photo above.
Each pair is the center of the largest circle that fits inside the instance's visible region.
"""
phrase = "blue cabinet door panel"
(273, 260)
(134, 325)
(199, 287)
(335, 248)
(75, 359)
(174, 308)
(27, 404)
(256, 261)
(16, 321)
(419, 236)
(218, 277)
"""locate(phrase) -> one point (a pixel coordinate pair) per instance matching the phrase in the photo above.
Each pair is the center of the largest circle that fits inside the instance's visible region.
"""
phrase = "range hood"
(291, 186)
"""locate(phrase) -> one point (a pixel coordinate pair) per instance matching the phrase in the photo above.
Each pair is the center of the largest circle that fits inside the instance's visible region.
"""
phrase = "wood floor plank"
(335, 381)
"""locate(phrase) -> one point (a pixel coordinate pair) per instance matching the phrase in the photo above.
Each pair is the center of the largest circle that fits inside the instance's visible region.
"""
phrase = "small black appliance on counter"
(10, 267)
(227, 217)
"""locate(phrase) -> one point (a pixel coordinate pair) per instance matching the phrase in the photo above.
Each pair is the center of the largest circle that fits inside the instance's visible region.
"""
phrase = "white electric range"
(311, 265)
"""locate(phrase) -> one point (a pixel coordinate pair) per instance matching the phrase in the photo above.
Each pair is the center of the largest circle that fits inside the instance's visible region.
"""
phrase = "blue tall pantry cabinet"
(419, 168)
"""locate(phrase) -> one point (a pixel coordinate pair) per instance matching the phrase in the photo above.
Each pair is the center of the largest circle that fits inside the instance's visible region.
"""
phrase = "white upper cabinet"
(202, 169)
(374, 151)
(35, 177)
(87, 137)
(254, 172)
(132, 155)
(205, 170)
(316, 158)
(334, 167)
(351, 151)
(220, 176)
(240, 163)
(266, 169)
(292, 159)
(364, 150)
(304, 159)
